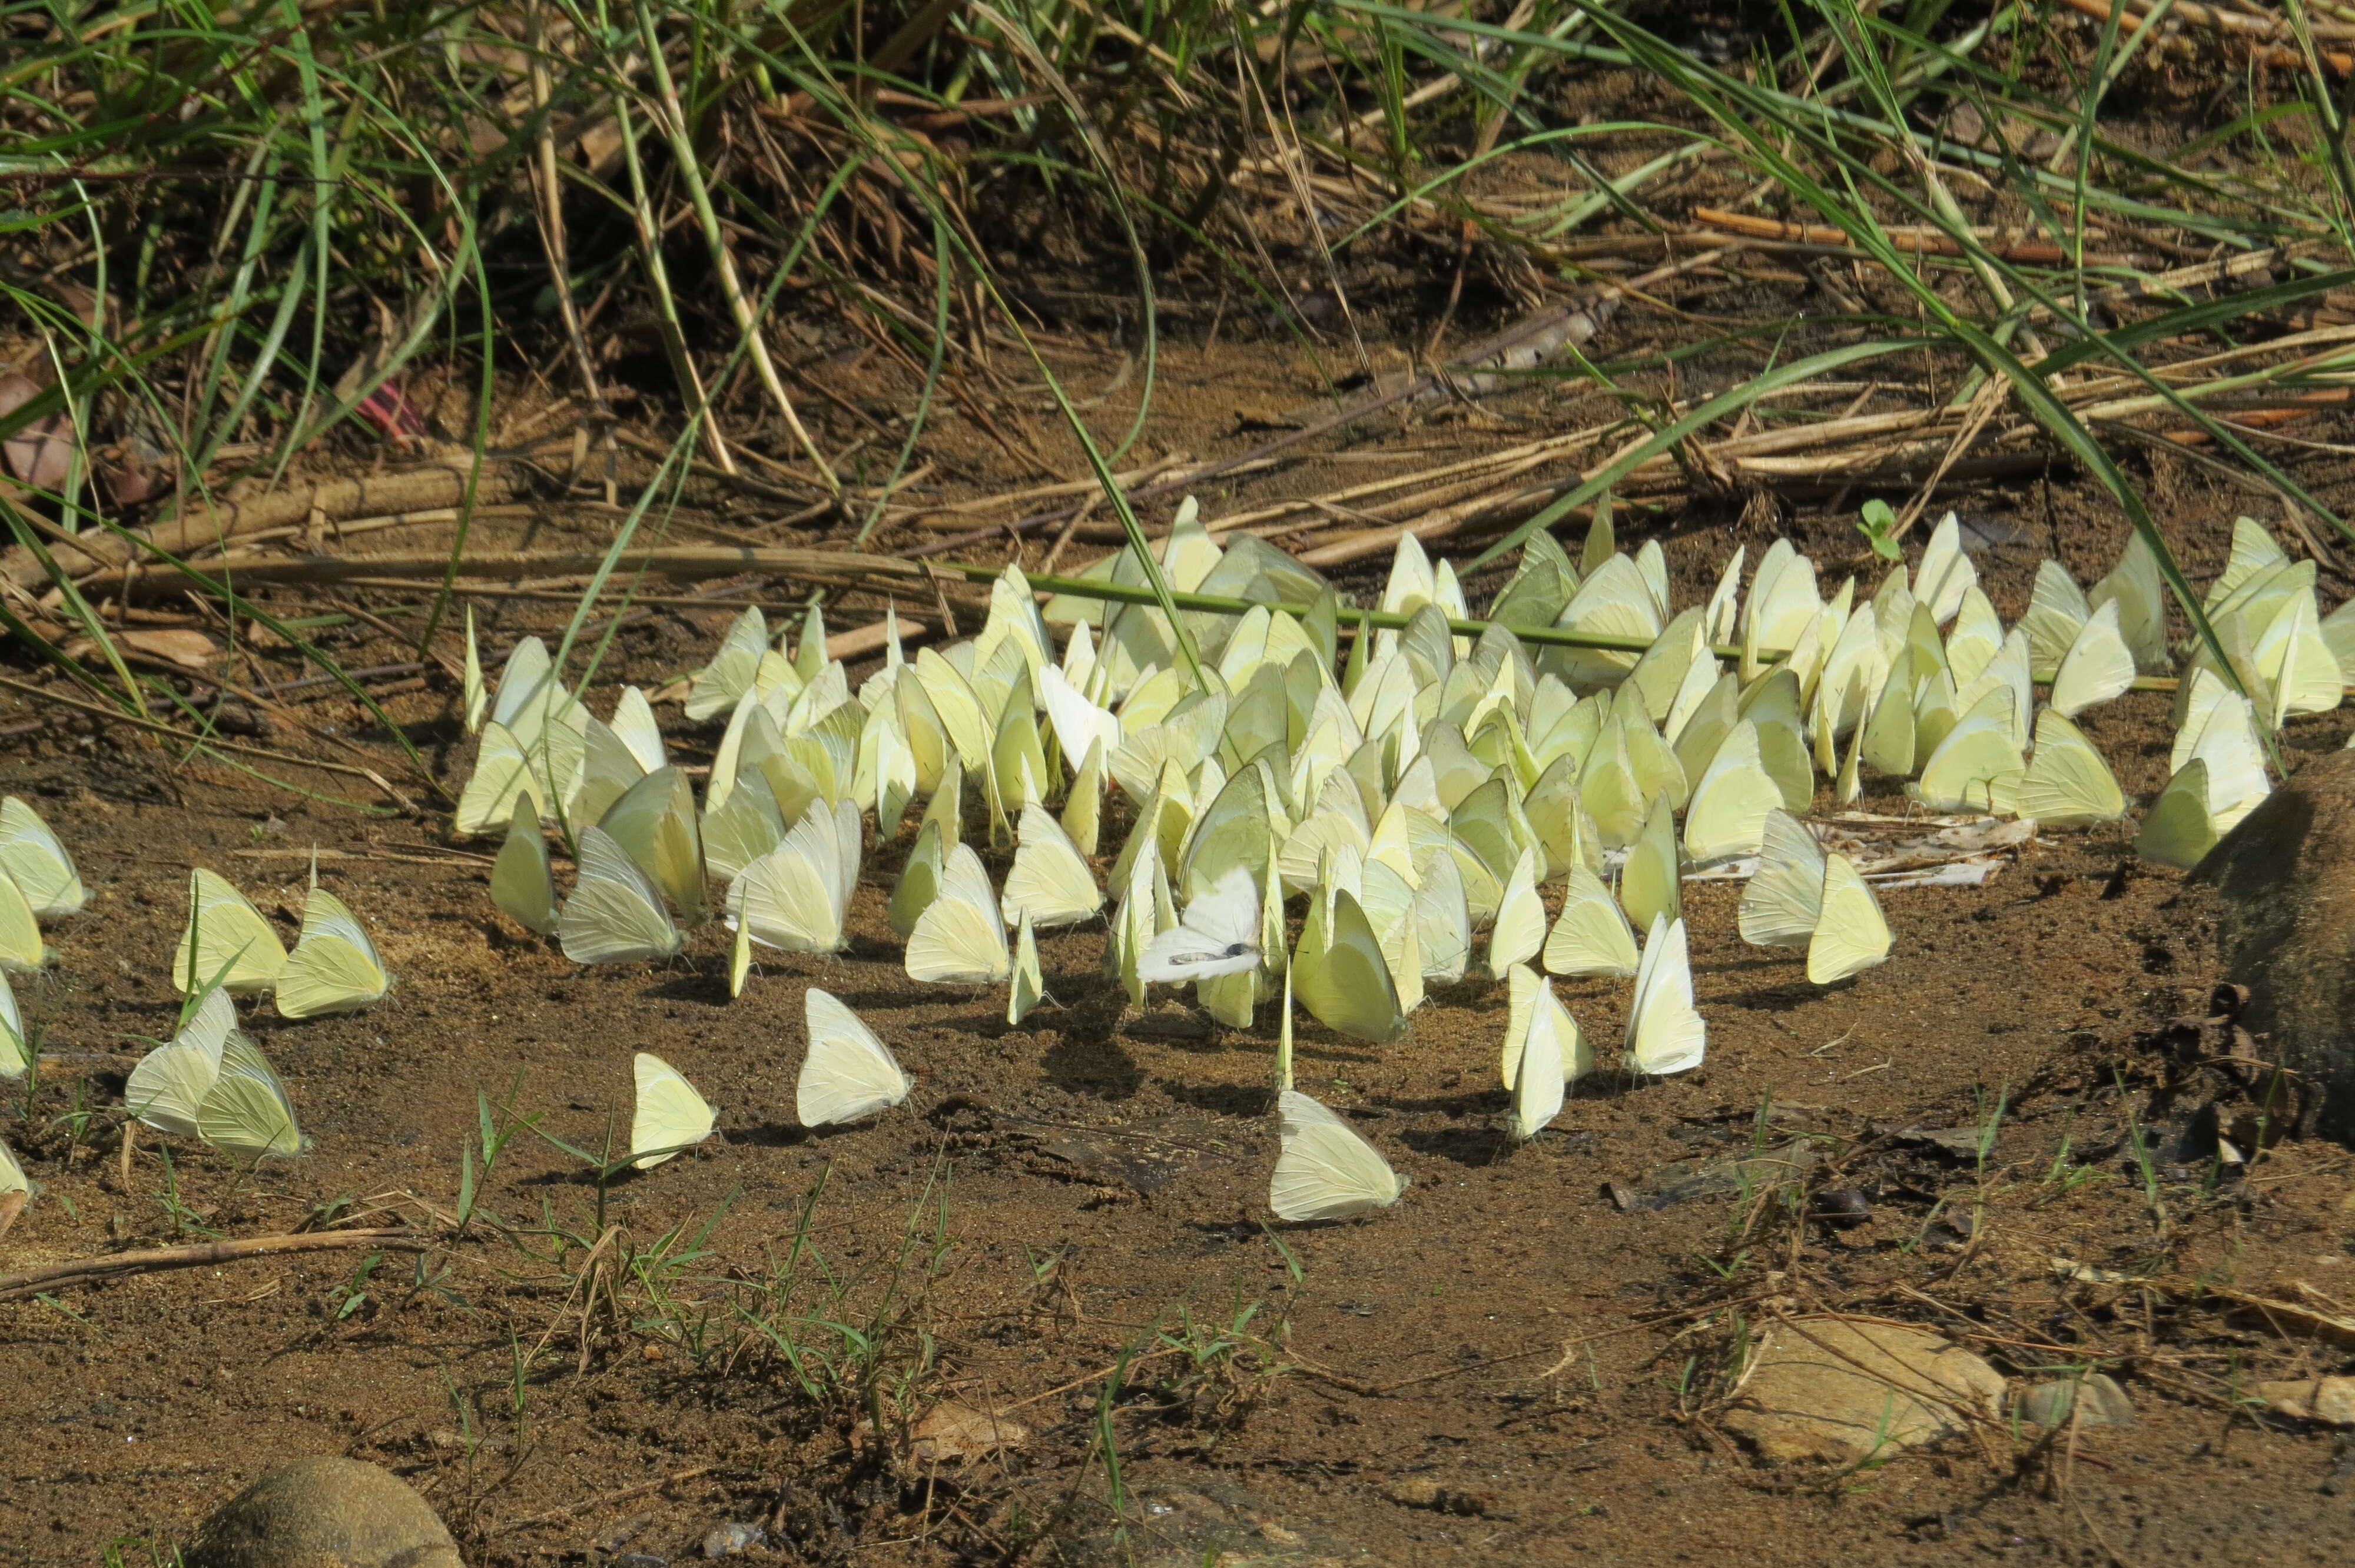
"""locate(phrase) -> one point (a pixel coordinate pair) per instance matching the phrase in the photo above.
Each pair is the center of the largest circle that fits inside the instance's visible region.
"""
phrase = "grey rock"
(1222, 1523)
(325, 1513)
(2094, 1400)
(1823, 1388)
(733, 1538)
(2284, 910)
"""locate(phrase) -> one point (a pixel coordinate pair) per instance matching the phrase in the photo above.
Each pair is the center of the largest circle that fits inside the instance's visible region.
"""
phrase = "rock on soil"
(1823, 1388)
(2285, 881)
(325, 1513)
(2330, 1400)
(2102, 1403)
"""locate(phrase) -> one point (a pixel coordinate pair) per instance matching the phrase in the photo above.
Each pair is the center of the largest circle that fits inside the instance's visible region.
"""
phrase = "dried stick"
(198, 523)
(2264, 27)
(155, 1260)
(1911, 239)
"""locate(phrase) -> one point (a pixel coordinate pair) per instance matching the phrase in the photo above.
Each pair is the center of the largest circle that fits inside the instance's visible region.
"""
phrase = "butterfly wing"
(38, 863)
(1785, 896)
(1539, 1075)
(20, 934)
(670, 1115)
(1049, 881)
(1520, 932)
(1342, 977)
(2179, 829)
(1219, 935)
(1665, 1032)
(335, 968)
(615, 914)
(247, 1110)
(522, 886)
(786, 900)
(1592, 936)
(2068, 784)
(223, 928)
(2097, 667)
(1027, 986)
(1327, 1171)
(848, 1073)
(1853, 934)
(959, 938)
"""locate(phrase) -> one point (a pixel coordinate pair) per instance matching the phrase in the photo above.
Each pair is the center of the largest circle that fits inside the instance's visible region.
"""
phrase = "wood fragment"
(199, 524)
(51, 1276)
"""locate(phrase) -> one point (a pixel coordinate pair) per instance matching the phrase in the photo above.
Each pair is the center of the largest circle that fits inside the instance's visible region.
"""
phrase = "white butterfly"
(1665, 1034)
(1218, 934)
(1327, 1171)
(848, 1073)
(616, 912)
(959, 938)
(671, 1115)
(169, 1085)
(796, 895)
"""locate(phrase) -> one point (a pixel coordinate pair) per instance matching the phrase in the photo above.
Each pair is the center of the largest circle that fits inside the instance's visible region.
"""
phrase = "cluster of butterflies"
(38, 883)
(209, 1081)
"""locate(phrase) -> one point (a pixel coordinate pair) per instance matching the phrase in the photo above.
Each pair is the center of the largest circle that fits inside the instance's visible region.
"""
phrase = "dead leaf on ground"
(193, 649)
(189, 649)
(950, 1430)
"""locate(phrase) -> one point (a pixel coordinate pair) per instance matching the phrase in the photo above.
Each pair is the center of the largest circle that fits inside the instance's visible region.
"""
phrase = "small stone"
(733, 1538)
(2330, 1400)
(1823, 1388)
(1469, 1501)
(325, 1513)
(2103, 1404)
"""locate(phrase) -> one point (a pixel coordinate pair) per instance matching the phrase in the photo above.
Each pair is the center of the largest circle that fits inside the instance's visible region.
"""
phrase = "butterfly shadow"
(1093, 1063)
(692, 985)
(774, 1134)
(1252, 1102)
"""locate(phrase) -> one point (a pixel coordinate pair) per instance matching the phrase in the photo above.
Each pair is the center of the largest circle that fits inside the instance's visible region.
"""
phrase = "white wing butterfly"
(1026, 988)
(224, 929)
(959, 938)
(16, 1189)
(671, 1117)
(615, 913)
(38, 863)
(335, 968)
(1327, 1171)
(796, 897)
(1851, 934)
(1543, 1068)
(1592, 936)
(1218, 934)
(247, 1110)
(848, 1073)
(16, 1054)
(1665, 1033)
(1048, 879)
(1786, 895)
(522, 886)
(1520, 929)
(2068, 784)
(168, 1087)
(2097, 667)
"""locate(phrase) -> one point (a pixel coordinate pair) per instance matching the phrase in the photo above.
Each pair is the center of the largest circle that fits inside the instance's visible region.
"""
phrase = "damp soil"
(1527, 1360)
